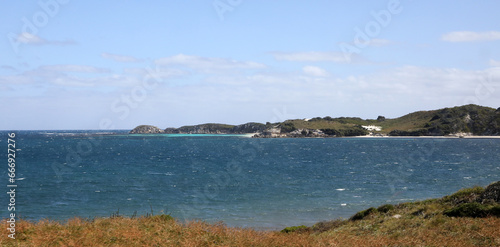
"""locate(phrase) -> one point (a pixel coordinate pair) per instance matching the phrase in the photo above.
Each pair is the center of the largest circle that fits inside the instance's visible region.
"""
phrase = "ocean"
(241, 181)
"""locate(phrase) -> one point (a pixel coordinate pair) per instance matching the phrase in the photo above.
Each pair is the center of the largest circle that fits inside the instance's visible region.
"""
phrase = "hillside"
(469, 217)
(467, 119)
(212, 128)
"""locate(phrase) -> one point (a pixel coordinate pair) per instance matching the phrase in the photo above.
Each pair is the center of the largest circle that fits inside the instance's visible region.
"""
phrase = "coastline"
(256, 135)
(470, 215)
(430, 137)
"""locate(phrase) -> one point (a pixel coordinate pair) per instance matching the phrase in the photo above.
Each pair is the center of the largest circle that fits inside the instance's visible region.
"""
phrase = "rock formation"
(491, 193)
(146, 129)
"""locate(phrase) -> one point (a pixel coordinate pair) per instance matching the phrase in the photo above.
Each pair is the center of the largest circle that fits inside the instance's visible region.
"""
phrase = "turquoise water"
(244, 182)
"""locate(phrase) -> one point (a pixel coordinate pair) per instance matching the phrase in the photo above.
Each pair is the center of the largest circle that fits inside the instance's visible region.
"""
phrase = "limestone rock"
(146, 129)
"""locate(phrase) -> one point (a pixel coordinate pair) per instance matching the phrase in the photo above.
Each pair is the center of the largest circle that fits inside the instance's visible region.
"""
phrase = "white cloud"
(92, 78)
(494, 63)
(312, 56)
(380, 42)
(207, 64)
(32, 39)
(74, 68)
(468, 36)
(314, 71)
(28, 38)
(120, 58)
(251, 96)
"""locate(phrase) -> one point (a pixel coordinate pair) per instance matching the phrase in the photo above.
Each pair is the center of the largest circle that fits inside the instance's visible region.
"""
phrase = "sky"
(68, 64)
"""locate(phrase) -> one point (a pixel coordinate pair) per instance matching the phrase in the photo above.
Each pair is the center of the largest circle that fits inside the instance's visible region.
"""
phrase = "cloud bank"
(468, 36)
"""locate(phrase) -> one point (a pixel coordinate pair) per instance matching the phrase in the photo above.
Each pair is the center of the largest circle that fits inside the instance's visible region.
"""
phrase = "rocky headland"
(462, 121)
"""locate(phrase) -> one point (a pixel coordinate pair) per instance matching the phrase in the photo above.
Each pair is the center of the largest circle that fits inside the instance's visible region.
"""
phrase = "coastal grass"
(423, 223)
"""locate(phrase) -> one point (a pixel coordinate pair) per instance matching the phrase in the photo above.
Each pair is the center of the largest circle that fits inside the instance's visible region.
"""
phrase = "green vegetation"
(210, 127)
(466, 218)
(354, 131)
(466, 202)
(474, 119)
(362, 214)
(294, 229)
(385, 208)
(467, 195)
(287, 127)
(473, 209)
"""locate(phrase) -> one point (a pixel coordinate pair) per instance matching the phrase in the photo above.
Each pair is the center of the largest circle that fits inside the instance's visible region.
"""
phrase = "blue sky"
(117, 64)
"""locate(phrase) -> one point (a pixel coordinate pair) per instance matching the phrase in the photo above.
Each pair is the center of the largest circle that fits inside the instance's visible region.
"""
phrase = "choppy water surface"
(245, 182)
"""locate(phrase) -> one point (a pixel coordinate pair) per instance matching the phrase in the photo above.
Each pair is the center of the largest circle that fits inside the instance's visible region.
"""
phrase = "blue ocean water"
(244, 182)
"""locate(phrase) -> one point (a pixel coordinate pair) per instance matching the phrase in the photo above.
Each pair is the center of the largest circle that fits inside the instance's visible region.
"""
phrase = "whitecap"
(341, 189)
(343, 204)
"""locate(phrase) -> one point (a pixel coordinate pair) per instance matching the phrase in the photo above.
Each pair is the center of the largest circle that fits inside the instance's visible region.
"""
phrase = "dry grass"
(419, 224)
(377, 230)
(145, 231)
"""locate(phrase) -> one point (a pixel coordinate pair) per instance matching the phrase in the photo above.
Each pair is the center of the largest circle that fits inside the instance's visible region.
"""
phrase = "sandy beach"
(437, 137)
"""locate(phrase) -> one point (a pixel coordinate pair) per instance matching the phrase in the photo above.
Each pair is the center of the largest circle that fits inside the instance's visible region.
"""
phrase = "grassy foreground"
(461, 219)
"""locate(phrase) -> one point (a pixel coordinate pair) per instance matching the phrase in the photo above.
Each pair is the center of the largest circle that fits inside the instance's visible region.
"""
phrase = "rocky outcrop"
(146, 129)
(248, 128)
(457, 121)
(277, 132)
(272, 132)
(491, 193)
(212, 128)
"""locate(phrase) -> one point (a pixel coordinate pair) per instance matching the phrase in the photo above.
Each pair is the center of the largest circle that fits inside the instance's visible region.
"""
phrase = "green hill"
(467, 119)
(474, 119)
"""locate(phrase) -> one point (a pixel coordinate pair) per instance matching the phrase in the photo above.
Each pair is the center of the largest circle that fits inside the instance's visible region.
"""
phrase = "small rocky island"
(146, 129)
(461, 121)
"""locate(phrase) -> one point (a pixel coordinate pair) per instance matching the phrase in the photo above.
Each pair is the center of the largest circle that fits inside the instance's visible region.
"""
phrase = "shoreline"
(433, 137)
(471, 215)
(386, 136)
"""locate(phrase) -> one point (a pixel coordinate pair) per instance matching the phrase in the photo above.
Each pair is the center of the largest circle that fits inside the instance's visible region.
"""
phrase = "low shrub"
(474, 209)
(327, 225)
(161, 217)
(385, 208)
(294, 229)
(468, 195)
(491, 193)
(362, 214)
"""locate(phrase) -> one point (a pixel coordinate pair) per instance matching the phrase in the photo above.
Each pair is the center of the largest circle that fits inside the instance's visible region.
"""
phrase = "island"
(460, 121)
